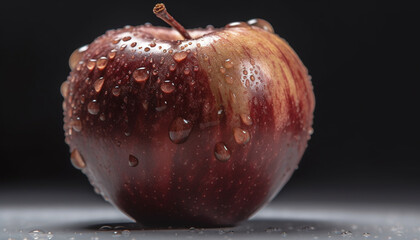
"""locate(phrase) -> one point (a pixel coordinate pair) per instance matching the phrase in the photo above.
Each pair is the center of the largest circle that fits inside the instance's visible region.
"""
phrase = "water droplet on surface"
(196, 68)
(64, 89)
(116, 91)
(132, 161)
(179, 130)
(112, 54)
(366, 235)
(228, 63)
(252, 78)
(126, 38)
(76, 124)
(98, 84)
(146, 49)
(221, 152)
(180, 56)
(187, 71)
(93, 107)
(228, 79)
(76, 56)
(261, 23)
(133, 44)
(222, 69)
(167, 86)
(77, 159)
(237, 24)
(241, 136)
(91, 64)
(117, 40)
(101, 63)
(141, 74)
(105, 228)
(246, 119)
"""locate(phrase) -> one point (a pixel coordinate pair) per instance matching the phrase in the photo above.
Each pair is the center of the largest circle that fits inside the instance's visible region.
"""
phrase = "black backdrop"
(362, 56)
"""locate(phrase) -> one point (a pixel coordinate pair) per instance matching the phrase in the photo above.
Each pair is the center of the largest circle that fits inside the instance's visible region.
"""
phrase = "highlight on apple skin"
(194, 128)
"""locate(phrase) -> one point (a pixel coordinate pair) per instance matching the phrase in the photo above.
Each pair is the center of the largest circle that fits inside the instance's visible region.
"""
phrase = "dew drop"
(98, 84)
(221, 152)
(237, 24)
(196, 68)
(141, 74)
(261, 23)
(93, 107)
(187, 71)
(222, 69)
(179, 130)
(116, 91)
(152, 44)
(133, 44)
(112, 54)
(76, 125)
(105, 228)
(116, 41)
(366, 235)
(91, 64)
(228, 63)
(64, 89)
(246, 119)
(132, 161)
(172, 67)
(252, 78)
(167, 86)
(76, 56)
(241, 136)
(101, 63)
(77, 160)
(127, 38)
(102, 117)
(180, 56)
(228, 79)
(146, 49)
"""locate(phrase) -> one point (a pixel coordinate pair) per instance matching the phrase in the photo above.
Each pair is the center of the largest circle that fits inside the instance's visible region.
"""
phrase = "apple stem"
(160, 11)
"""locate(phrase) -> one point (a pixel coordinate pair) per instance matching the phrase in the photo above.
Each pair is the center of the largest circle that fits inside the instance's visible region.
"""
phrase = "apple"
(179, 127)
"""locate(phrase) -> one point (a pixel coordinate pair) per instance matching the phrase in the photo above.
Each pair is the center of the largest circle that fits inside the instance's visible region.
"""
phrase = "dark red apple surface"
(194, 128)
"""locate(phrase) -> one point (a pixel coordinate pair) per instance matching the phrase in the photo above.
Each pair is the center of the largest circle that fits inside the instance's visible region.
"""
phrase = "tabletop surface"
(73, 215)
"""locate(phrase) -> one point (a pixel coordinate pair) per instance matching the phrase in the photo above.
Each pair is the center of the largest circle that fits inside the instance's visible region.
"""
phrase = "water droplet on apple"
(64, 89)
(98, 84)
(76, 56)
(180, 56)
(187, 71)
(241, 136)
(261, 23)
(172, 67)
(222, 69)
(93, 107)
(246, 119)
(237, 24)
(196, 68)
(77, 159)
(133, 44)
(132, 161)
(116, 91)
(221, 152)
(102, 117)
(167, 86)
(228, 63)
(112, 54)
(116, 41)
(228, 79)
(179, 130)
(91, 64)
(152, 44)
(76, 124)
(141, 74)
(126, 38)
(101, 63)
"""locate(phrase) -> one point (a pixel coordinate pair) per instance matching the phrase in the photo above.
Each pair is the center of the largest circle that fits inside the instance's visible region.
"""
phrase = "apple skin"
(199, 132)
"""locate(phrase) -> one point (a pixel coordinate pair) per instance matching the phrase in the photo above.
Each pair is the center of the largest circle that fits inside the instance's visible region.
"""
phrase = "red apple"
(188, 127)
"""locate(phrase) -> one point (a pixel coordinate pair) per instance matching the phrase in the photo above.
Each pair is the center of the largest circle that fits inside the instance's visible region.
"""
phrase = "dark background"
(362, 56)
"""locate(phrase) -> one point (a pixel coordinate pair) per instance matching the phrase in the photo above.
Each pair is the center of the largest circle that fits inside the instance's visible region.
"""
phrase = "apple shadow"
(252, 227)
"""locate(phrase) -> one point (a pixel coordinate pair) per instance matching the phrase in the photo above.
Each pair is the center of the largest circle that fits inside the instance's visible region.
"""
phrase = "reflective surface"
(298, 214)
